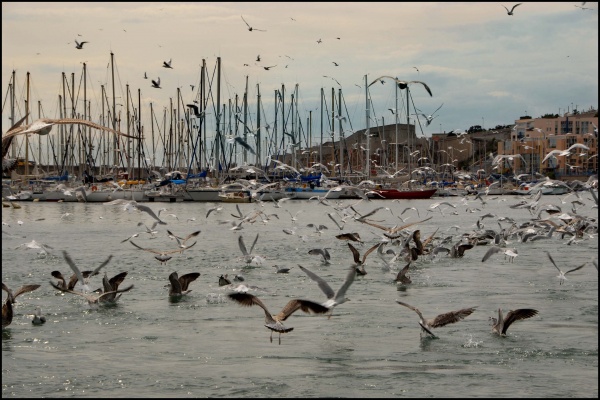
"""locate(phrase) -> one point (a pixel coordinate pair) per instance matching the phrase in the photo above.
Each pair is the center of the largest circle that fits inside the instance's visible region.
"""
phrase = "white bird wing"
(253, 243)
(324, 286)
(242, 246)
(341, 293)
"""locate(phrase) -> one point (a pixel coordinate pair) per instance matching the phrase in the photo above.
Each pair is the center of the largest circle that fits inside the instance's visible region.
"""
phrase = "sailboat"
(382, 191)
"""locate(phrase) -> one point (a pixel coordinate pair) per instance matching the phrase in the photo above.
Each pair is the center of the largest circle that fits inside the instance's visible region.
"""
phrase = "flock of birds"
(398, 243)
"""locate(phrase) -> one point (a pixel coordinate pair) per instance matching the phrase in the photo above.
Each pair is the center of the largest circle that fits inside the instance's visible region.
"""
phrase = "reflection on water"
(205, 345)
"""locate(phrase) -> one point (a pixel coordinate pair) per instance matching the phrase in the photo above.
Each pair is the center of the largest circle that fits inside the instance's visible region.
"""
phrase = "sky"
(483, 66)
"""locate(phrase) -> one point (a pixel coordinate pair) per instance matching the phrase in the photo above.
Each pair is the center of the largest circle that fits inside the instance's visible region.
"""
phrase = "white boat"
(241, 196)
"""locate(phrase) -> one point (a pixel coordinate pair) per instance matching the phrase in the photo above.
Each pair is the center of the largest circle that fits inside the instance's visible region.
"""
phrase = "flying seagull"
(333, 298)
(163, 255)
(441, 320)
(402, 84)
(167, 64)
(78, 45)
(275, 322)
(197, 112)
(251, 28)
(510, 12)
(561, 276)
(7, 309)
(156, 83)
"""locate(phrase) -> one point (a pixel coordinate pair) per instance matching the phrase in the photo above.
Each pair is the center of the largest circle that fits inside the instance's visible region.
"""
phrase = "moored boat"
(401, 194)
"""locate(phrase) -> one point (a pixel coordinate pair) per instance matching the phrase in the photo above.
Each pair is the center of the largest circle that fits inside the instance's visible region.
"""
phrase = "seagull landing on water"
(441, 320)
(500, 325)
(275, 322)
(561, 276)
(178, 285)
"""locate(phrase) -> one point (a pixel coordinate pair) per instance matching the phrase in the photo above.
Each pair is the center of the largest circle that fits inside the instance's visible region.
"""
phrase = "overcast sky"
(485, 67)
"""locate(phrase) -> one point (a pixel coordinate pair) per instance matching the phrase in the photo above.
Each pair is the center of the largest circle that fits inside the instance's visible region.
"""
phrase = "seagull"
(197, 112)
(402, 277)
(7, 308)
(275, 322)
(561, 276)
(237, 139)
(215, 209)
(251, 28)
(361, 263)
(38, 318)
(181, 241)
(402, 84)
(156, 83)
(353, 236)
(78, 45)
(441, 320)
(179, 284)
(430, 118)
(335, 64)
(93, 299)
(248, 256)
(281, 270)
(224, 281)
(145, 76)
(163, 255)
(110, 286)
(511, 253)
(130, 205)
(268, 68)
(77, 276)
(333, 298)
(35, 245)
(323, 253)
(510, 12)
(500, 325)
(43, 126)
(167, 64)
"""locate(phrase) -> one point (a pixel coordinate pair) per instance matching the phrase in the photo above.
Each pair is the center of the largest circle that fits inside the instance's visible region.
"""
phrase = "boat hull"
(395, 194)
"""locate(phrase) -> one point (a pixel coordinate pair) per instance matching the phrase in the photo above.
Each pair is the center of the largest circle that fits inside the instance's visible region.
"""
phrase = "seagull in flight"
(333, 298)
(79, 45)
(402, 84)
(163, 255)
(130, 205)
(197, 112)
(251, 28)
(561, 276)
(268, 68)
(510, 12)
(167, 64)
(275, 322)
(156, 83)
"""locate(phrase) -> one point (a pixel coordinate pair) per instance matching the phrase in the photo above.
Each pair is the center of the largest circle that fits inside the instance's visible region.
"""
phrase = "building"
(543, 144)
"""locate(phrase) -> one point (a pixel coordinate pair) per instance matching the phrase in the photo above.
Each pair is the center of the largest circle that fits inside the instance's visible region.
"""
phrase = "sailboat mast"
(258, 138)
(218, 137)
(245, 119)
(396, 168)
(27, 136)
(368, 161)
(409, 137)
